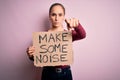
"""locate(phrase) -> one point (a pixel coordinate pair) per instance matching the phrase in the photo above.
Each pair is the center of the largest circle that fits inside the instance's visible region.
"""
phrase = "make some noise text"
(53, 48)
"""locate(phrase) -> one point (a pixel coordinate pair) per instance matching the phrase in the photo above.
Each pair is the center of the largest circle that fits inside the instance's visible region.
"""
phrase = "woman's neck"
(60, 28)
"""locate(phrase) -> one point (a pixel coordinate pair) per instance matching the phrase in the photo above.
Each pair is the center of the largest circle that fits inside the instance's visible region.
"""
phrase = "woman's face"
(57, 16)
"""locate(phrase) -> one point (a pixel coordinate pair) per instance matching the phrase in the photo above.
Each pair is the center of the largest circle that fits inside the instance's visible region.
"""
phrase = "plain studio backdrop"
(97, 57)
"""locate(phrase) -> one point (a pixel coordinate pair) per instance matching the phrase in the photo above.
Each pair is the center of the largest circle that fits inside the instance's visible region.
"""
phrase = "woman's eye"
(53, 14)
(60, 14)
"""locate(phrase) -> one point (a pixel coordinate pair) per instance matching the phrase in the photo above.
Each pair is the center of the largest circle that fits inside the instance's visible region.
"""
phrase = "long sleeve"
(78, 33)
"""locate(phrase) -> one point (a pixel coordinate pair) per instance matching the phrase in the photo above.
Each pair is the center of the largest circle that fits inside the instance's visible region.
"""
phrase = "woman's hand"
(72, 23)
(30, 51)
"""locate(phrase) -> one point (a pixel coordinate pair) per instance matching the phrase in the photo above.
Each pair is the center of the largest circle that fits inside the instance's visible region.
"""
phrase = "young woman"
(57, 16)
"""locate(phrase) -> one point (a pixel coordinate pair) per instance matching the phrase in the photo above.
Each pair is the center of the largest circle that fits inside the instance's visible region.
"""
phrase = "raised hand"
(72, 23)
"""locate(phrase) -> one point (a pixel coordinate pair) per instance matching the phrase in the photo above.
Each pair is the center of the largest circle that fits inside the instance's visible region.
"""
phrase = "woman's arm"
(78, 32)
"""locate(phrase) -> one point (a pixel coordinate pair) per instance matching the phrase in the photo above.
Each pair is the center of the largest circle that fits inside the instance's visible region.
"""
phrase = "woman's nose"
(56, 18)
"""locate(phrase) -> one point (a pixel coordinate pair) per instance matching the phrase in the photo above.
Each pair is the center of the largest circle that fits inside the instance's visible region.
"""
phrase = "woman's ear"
(49, 18)
(64, 19)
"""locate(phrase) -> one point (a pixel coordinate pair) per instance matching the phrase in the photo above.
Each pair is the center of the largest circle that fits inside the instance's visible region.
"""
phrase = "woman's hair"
(56, 4)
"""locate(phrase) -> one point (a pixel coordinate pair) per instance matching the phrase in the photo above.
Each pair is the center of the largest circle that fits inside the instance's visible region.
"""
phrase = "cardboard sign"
(52, 48)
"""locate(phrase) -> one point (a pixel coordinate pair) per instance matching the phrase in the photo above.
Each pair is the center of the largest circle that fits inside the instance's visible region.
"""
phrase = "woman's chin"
(56, 25)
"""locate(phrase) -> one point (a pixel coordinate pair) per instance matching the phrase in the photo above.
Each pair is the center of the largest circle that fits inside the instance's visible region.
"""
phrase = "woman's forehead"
(57, 9)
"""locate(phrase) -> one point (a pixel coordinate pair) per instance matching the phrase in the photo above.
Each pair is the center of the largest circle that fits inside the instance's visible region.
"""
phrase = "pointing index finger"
(67, 21)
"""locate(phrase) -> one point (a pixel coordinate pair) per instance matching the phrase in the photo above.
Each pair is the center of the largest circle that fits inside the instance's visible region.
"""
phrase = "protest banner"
(52, 48)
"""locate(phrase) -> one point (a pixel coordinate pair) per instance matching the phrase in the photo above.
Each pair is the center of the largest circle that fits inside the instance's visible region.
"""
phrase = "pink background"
(97, 57)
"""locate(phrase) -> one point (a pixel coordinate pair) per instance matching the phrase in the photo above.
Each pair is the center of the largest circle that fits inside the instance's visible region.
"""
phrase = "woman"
(57, 16)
